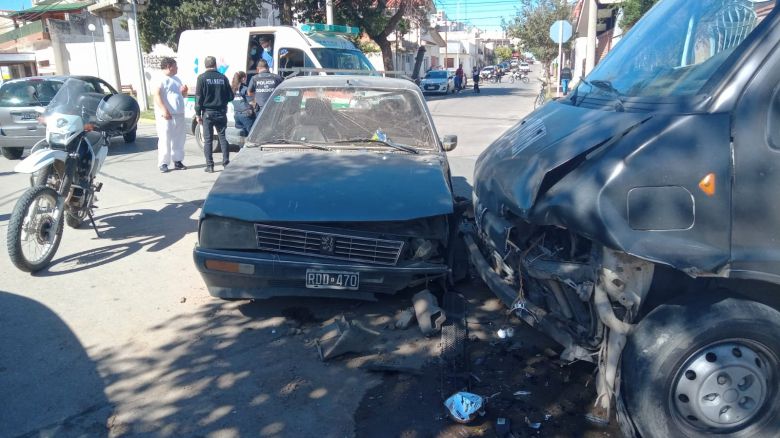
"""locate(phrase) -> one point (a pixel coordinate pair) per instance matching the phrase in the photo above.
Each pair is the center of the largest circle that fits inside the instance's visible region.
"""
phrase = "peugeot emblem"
(328, 244)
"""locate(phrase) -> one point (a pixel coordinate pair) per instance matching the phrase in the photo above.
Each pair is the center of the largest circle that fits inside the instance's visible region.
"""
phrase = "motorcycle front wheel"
(34, 229)
(511, 79)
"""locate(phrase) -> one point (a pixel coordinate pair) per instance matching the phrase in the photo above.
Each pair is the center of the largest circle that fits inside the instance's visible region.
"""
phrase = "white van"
(306, 46)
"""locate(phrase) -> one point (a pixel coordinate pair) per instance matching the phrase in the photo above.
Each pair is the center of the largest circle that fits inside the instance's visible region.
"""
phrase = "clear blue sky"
(14, 5)
(485, 14)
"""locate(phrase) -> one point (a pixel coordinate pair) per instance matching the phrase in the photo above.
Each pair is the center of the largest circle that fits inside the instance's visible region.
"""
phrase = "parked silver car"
(438, 81)
(20, 102)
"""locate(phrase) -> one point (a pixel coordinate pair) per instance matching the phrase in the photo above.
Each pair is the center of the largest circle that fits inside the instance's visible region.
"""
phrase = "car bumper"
(439, 89)
(26, 141)
(265, 275)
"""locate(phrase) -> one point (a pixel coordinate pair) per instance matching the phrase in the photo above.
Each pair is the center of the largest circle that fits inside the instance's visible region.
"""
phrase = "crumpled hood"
(320, 186)
(511, 170)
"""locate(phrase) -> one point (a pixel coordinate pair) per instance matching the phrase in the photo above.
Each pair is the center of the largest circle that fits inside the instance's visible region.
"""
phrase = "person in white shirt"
(169, 117)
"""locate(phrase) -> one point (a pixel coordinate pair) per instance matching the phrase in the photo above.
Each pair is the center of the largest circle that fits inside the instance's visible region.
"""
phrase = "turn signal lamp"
(707, 184)
(328, 28)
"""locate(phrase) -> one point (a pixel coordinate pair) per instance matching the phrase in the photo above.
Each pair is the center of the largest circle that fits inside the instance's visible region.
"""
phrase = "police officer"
(262, 85)
(213, 95)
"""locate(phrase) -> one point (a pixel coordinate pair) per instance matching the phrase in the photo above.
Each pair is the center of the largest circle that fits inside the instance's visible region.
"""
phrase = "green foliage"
(633, 10)
(502, 53)
(532, 26)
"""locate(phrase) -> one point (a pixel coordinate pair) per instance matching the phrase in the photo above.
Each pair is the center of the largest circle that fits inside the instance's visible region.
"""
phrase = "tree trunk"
(418, 62)
(387, 53)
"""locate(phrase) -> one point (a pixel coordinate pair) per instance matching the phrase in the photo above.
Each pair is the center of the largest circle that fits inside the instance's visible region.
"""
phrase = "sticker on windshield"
(293, 93)
(279, 99)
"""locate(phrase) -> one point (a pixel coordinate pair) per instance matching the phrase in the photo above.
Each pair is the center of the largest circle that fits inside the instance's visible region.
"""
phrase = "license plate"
(316, 279)
(28, 116)
(430, 87)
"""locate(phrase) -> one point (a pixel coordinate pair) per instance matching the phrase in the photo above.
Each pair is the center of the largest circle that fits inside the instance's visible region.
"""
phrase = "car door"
(756, 155)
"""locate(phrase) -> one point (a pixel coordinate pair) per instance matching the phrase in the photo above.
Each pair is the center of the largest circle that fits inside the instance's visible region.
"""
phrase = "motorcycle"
(517, 75)
(79, 124)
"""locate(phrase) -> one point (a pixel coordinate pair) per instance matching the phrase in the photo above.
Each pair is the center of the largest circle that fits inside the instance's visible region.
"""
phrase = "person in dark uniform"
(262, 85)
(213, 93)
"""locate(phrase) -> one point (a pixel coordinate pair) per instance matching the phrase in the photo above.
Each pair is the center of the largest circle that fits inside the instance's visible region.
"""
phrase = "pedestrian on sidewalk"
(213, 93)
(459, 78)
(566, 77)
(169, 117)
(475, 77)
(262, 85)
(243, 112)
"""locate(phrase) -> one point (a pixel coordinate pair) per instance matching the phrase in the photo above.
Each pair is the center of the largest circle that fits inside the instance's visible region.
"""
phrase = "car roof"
(349, 80)
(57, 78)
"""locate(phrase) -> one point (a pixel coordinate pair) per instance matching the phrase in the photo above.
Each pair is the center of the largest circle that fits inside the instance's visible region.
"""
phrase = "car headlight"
(223, 233)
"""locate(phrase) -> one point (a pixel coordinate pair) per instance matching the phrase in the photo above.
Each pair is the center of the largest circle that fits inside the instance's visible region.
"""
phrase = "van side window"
(290, 59)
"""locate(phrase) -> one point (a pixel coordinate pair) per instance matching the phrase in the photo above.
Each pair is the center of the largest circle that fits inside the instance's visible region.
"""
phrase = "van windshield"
(342, 59)
(676, 48)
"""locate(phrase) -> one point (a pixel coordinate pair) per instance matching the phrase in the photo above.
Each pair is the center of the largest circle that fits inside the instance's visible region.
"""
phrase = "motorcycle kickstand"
(92, 220)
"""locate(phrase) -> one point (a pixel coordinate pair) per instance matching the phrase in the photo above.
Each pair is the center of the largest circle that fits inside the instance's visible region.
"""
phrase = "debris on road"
(342, 336)
(183, 300)
(532, 425)
(503, 426)
(430, 317)
(505, 333)
(464, 406)
(405, 319)
(382, 367)
(522, 393)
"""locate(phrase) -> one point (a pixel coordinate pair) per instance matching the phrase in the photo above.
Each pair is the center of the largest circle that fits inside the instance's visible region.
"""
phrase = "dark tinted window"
(28, 93)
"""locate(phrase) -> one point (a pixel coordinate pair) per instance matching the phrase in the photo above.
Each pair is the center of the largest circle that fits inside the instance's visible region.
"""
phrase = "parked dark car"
(21, 100)
(635, 222)
(342, 190)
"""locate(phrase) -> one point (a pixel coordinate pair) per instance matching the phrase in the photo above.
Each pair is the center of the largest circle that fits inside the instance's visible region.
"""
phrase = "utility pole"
(329, 11)
(590, 53)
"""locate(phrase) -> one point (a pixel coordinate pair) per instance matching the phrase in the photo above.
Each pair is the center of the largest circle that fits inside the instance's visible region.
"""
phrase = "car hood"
(511, 171)
(339, 186)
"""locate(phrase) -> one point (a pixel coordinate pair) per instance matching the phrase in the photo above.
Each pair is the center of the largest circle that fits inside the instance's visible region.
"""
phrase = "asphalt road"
(119, 336)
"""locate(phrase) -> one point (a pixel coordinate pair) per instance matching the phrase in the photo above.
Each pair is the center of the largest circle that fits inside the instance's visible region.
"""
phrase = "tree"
(164, 20)
(378, 19)
(502, 53)
(532, 26)
(633, 10)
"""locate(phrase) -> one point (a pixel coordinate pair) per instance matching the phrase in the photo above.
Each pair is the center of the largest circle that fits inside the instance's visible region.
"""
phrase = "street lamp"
(91, 28)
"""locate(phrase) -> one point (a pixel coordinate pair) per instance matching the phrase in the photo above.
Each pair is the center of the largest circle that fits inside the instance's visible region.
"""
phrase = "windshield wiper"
(607, 86)
(285, 141)
(401, 147)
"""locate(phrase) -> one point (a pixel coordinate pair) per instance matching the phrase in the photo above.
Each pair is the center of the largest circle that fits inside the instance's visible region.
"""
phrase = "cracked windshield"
(677, 47)
(363, 117)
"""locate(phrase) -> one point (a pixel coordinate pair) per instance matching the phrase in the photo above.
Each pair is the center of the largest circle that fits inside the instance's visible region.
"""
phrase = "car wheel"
(199, 139)
(12, 153)
(130, 136)
(703, 367)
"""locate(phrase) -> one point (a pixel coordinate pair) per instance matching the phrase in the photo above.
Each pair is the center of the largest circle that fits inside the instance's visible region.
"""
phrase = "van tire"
(198, 133)
(719, 337)
(12, 153)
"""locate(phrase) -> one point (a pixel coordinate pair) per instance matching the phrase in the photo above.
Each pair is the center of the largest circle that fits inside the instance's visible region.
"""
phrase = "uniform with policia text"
(263, 85)
(213, 95)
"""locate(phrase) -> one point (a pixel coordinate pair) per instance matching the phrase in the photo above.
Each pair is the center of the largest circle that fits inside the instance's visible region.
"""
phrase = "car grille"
(333, 246)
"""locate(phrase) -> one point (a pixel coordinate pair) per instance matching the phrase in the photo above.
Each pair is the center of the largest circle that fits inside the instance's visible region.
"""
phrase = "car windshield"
(440, 74)
(342, 59)
(76, 97)
(676, 48)
(334, 115)
(33, 92)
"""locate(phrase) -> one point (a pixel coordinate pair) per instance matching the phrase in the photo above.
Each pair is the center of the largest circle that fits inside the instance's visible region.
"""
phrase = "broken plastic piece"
(464, 406)
(532, 425)
(343, 337)
(522, 393)
(430, 316)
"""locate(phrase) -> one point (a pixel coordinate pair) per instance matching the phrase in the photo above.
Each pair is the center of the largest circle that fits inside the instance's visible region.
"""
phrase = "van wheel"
(199, 139)
(130, 136)
(12, 153)
(697, 368)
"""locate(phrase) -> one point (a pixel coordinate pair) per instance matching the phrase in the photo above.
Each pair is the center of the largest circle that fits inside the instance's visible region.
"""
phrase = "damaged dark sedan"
(634, 222)
(342, 190)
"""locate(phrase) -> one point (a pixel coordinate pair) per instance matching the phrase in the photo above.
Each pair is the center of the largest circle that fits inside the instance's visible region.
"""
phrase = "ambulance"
(307, 46)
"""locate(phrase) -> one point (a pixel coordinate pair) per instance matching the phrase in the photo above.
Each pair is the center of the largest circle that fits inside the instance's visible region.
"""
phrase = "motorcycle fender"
(40, 159)
(97, 163)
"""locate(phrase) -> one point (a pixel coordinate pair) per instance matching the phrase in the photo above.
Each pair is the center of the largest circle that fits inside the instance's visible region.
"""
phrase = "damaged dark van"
(635, 221)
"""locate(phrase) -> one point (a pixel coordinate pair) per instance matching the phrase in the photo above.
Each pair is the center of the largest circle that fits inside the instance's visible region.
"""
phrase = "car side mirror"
(449, 142)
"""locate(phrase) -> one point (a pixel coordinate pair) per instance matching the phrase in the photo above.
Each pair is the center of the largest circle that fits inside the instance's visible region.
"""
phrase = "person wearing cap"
(268, 50)
(213, 93)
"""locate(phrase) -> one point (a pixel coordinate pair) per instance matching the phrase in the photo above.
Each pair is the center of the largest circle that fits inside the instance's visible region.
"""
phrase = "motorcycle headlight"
(58, 138)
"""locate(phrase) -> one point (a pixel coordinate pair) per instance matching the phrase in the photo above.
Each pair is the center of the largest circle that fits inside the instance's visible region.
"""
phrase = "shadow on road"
(142, 143)
(136, 230)
(48, 384)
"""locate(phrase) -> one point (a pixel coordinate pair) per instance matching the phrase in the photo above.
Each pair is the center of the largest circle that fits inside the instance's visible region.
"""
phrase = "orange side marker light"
(707, 184)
